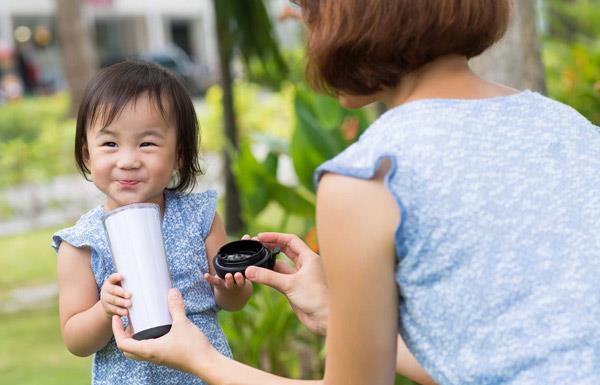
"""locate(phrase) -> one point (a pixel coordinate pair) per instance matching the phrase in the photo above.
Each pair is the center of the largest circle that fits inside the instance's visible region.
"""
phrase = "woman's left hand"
(185, 347)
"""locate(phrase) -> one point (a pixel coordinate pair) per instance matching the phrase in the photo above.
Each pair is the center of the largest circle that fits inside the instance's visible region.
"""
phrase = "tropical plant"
(322, 129)
(267, 334)
(572, 54)
(245, 26)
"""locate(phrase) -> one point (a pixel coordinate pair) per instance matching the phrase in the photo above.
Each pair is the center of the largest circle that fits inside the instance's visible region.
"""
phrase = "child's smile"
(133, 158)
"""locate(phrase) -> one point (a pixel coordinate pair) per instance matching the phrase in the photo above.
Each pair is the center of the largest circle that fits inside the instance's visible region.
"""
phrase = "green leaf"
(311, 143)
(250, 176)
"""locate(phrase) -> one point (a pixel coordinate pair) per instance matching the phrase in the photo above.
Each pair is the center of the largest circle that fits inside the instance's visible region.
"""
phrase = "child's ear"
(86, 156)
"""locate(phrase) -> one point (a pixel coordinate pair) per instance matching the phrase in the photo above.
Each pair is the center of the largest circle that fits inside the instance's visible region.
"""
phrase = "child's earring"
(174, 178)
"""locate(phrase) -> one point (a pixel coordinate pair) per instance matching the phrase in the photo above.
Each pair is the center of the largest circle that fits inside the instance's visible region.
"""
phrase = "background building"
(164, 29)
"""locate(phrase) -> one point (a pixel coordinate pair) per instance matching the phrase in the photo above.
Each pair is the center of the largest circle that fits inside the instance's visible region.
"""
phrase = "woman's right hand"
(184, 347)
(303, 284)
(115, 300)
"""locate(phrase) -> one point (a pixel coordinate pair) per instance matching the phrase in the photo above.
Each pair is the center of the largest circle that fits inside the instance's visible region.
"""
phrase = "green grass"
(26, 260)
(32, 351)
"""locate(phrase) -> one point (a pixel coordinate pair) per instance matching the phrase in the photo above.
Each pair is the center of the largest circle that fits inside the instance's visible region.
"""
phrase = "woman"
(465, 218)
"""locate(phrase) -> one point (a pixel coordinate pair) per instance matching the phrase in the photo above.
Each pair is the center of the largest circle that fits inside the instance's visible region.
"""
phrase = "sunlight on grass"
(26, 260)
(32, 351)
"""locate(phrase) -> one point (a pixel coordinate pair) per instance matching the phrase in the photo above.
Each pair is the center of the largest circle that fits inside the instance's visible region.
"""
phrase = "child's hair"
(114, 87)
(363, 46)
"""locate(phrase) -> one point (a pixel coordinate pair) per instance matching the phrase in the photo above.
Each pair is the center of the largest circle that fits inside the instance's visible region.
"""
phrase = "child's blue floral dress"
(186, 223)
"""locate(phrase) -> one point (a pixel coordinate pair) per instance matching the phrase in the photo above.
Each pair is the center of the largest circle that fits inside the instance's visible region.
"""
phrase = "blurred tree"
(516, 60)
(78, 56)
(573, 20)
(243, 26)
(572, 54)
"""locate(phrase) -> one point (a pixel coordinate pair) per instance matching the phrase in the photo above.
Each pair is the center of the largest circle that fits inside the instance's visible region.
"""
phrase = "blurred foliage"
(571, 54)
(36, 140)
(267, 335)
(260, 74)
(246, 26)
(572, 20)
(258, 111)
(321, 130)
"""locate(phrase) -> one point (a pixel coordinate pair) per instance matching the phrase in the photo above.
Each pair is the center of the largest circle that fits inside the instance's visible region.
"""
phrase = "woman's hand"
(303, 284)
(185, 347)
(115, 300)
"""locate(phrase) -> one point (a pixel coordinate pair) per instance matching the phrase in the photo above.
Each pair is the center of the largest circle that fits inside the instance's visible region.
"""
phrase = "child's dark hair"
(363, 46)
(114, 87)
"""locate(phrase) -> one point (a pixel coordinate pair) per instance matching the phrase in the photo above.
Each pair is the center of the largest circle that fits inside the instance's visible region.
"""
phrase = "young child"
(136, 139)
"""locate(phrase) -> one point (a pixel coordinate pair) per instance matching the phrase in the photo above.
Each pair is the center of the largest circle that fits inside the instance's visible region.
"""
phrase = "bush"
(572, 54)
(36, 140)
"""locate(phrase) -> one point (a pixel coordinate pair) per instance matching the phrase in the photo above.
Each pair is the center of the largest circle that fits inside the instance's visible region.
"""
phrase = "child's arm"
(232, 293)
(85, 321)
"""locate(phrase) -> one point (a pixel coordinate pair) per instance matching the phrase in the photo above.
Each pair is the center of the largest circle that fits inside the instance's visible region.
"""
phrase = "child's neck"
(110, 205)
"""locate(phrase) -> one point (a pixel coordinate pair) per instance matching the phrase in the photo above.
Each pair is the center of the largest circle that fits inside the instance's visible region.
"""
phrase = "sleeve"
(87, 234)
(72, 235)
(360, 160)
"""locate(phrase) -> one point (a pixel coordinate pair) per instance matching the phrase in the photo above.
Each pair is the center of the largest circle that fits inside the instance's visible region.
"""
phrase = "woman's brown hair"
(363, 46)
(120, 84)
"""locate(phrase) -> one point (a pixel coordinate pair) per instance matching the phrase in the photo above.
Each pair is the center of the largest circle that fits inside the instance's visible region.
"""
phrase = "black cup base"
(155, 332)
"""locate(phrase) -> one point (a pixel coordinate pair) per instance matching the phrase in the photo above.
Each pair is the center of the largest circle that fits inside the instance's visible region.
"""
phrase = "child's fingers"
(115, 278)
(229, 281)
(213, 280)
(112, 309)
(239, 279)
(118, 291)
(115, 300)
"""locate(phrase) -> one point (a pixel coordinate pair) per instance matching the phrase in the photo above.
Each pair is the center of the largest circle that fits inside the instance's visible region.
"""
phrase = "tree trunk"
(233, 219)
(515, 60)
(78, 57)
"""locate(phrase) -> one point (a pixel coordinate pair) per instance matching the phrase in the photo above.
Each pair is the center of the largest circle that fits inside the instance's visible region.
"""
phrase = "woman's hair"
(114, 87)
(362, 46)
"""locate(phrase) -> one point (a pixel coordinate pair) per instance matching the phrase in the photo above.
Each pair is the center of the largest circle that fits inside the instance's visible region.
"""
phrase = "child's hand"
(115, 300)
(231, 282)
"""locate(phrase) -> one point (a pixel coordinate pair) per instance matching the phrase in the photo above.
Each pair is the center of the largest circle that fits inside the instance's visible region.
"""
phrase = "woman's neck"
(447, 77)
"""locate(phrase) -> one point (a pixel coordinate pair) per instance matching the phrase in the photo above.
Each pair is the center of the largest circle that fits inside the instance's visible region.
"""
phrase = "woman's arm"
(186, 348)
(85, 325)
(230, 294)
(356, 222)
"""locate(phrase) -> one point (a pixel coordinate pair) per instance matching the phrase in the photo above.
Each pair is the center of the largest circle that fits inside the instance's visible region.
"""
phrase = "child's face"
(132, 159)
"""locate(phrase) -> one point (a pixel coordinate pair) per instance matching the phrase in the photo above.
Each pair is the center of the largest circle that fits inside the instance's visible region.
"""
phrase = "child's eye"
(109, 144)
(147, 144)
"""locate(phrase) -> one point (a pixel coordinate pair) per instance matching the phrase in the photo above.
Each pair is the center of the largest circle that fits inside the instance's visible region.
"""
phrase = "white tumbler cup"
(136, 242)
